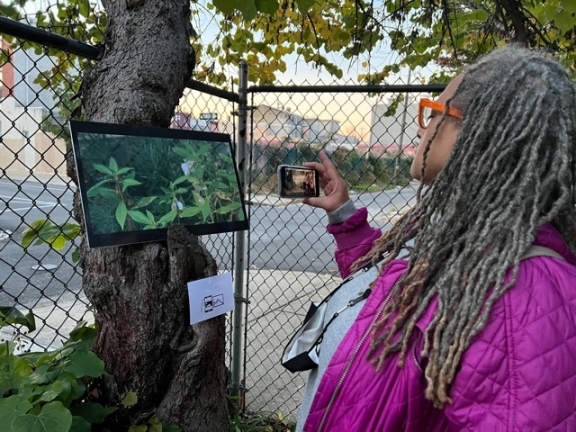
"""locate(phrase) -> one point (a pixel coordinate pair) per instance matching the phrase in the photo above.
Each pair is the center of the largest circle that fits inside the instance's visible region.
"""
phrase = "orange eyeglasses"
(427, 106)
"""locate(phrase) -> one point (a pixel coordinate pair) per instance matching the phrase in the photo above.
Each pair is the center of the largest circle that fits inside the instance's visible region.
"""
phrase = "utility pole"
(403, 131)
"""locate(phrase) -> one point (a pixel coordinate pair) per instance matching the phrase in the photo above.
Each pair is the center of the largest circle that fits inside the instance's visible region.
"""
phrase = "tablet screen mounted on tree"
(137, 181)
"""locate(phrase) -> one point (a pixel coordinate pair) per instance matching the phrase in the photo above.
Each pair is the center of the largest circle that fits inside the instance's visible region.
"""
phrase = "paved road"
(290, 237)
(20, 204)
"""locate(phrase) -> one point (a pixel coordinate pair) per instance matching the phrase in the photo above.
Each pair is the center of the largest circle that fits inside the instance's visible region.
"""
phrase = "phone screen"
(298, 182)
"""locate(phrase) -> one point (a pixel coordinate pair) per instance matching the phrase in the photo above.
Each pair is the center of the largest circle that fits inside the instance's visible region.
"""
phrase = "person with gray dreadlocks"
(476, 328)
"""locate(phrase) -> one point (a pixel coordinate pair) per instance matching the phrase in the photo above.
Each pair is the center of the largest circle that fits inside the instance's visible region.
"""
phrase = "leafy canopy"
(419, 32)
(265, 32)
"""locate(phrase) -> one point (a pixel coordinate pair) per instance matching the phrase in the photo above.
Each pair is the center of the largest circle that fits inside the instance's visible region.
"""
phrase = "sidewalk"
(270, 200)
(45, 179)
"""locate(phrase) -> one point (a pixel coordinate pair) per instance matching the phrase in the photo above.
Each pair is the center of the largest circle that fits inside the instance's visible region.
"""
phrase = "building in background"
(276, 127)
(396, 133)
(24, 146)
(282, 127)
(186, 121)
(17, 78)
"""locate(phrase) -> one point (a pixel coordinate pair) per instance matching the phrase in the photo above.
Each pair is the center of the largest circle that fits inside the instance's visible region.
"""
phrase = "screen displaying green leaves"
(142, 180)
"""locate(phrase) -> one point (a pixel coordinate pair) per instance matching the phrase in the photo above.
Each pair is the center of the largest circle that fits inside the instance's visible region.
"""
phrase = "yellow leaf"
(130, 400)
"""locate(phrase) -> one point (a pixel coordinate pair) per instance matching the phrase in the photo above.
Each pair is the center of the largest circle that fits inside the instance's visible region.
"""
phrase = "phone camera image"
(297, 182)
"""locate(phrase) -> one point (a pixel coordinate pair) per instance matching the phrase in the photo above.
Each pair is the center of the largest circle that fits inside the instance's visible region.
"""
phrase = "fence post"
(400, 155)
(240, 236)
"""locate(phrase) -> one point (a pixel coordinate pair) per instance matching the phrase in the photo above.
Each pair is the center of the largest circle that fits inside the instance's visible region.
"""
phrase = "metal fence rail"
(368, 131)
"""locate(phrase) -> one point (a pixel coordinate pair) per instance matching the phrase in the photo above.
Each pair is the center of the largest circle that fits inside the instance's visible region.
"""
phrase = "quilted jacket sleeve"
(519, 374)
(354, 239)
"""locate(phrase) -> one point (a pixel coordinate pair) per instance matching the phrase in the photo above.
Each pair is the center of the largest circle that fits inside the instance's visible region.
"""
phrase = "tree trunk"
(139, 292)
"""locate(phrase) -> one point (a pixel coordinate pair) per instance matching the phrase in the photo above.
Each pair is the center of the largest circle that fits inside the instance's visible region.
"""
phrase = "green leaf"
(569, 6)
(97, 186)
(92, 412)
(80, 425)
(40, 375)
(85, 363)
(71, 230)
(94, 191)
(124, 170)
(228, 208)
(121, 213)
(227, 7)
(143, 202)
(190, 212)
(103, 169)
(138, 216)
(13, 370)
(226, 157)
(248, 9)
(7, 347)
(53, 417)
(130, 400)
(168, 217)
(45, 232)
(179, 180)
(269, 7)
(52, 392)
(76, 255)
(30, 233)
(84, 8)
(82, 337)
(58, 242)
(205, 210)
(139, 428)
(106, 193)
(478, 15)
(113, 165)
(11, 315)
(13, 407)
(305, 5)
(564, 21)
(129, 182)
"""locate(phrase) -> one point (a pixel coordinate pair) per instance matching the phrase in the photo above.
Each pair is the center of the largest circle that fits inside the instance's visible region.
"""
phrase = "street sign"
(209, 116)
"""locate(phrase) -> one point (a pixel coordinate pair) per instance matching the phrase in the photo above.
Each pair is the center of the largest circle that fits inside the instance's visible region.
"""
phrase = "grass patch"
(264, 421)
(261, 422)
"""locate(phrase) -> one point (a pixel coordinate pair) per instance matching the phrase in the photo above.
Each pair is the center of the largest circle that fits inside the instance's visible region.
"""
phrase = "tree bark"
(139, 292)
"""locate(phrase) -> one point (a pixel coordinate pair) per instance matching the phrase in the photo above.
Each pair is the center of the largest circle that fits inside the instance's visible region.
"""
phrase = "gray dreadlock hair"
(511, 170)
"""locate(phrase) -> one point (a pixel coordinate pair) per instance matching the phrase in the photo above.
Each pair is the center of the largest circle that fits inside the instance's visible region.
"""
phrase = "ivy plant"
(48, 391)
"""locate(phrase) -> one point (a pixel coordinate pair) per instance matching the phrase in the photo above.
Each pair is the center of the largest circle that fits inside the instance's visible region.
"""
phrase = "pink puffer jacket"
(519, 374)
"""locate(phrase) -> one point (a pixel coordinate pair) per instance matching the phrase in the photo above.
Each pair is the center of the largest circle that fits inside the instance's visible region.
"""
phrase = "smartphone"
(298, 182)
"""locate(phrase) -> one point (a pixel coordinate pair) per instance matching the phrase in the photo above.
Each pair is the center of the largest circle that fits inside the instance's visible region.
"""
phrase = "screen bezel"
(153, 235)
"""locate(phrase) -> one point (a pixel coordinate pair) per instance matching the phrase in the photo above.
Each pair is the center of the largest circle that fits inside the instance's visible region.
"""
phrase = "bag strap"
(536, 251)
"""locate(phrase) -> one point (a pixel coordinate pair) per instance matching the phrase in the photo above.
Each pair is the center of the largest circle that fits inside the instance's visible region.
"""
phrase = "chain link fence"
(368, 131)
(34, 186)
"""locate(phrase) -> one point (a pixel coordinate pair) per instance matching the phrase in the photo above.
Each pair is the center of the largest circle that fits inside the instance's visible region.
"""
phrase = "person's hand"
(331, 183)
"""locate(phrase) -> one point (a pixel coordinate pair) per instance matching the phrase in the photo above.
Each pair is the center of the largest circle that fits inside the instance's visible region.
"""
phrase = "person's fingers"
(315, 202)
(330, 169)
(315, 165)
